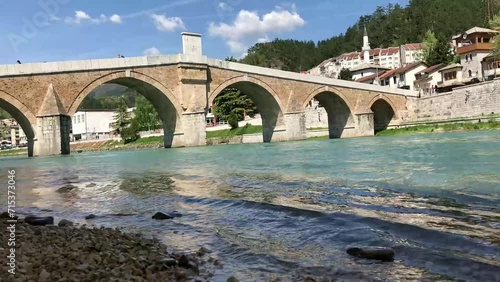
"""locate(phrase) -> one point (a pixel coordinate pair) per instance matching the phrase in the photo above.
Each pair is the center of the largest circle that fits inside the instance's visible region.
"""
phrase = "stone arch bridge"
(42, 97)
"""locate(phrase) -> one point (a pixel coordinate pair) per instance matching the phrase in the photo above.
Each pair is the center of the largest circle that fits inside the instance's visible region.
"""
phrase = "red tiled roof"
(431, 69)
(366, 78)
(387, 74)
(413, 46)
(401, 69)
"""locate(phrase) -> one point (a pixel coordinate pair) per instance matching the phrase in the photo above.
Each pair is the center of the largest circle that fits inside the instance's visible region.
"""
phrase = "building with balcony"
(473, 47)
(491, 67)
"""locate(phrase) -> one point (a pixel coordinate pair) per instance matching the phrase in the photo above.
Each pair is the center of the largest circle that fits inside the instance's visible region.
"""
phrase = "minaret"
(366, 47)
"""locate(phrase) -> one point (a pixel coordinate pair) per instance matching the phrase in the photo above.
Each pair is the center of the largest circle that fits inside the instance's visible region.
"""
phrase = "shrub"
(232, 119)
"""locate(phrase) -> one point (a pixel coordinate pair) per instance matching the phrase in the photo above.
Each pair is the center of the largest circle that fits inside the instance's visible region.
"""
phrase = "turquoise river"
(290, 210)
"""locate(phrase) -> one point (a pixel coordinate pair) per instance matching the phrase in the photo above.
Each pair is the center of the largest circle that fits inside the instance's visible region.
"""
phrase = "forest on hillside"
(391, 25)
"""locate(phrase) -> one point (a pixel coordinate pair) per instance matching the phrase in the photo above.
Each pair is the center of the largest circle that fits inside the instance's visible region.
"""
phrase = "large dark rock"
(39, 220)
(383, 254)
(6, 215)
(161, 216)
(66, 188)
(90, 216)
(184, 261)
(65, 222)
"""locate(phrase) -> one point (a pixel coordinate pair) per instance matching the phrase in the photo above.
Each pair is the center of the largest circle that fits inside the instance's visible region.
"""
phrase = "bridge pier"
(52, 126)
(194, 128)
(365, 125)
(31, 147)
(295, 126)
(52, 135)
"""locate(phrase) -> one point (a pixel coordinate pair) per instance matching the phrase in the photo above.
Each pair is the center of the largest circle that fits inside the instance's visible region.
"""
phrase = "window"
(83, 118)
(394, 79)
(466, 58)
(470, 73)
(450, 75)
(486, 40)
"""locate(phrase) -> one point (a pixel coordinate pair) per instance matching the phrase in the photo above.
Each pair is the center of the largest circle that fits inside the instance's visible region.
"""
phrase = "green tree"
(121, 118)
(345, 74)
(145, 114)
(436, 50)
(231, 59)
(441, 54)
(429, 44)
(232, 101)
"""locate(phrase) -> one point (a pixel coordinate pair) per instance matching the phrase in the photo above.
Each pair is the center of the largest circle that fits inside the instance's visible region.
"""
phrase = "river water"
(290, 210)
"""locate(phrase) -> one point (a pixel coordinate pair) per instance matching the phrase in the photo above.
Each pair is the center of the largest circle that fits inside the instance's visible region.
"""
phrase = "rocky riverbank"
(69, 253)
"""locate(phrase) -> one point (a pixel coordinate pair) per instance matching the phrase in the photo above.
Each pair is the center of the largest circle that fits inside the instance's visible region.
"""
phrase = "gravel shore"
(67, 253)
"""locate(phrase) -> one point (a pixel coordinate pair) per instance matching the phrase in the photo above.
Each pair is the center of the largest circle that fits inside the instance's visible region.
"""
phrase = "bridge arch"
(264, 97)
(162, 99)
(384, 112)
(24, 117)
(338, 109)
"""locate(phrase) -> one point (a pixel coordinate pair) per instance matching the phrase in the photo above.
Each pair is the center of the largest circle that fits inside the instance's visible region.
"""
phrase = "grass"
(423, 129)
(228, 133)
(325, 137)
(13, 152)
(318, 128)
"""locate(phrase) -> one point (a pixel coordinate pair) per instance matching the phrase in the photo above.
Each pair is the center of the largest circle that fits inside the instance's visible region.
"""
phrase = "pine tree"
(345, 74)
(232, 101)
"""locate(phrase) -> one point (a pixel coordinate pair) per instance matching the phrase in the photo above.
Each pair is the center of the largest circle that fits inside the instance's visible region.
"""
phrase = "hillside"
(392, 25)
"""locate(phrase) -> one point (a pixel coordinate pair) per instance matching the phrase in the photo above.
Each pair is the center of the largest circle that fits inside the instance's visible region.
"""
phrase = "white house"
(451, 76)
(473, 47)
(403, 77)
(427, 80)
(367, 70)
(92, 124)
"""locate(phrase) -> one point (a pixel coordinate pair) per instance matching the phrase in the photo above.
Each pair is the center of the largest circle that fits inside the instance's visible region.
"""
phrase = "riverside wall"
(481, 99)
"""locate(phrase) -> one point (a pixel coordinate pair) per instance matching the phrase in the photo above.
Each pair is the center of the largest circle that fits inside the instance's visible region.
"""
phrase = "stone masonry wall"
(469, 101)
(316, 117)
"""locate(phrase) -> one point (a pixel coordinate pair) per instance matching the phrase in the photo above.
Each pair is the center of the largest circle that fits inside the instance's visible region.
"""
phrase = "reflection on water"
(290, 210)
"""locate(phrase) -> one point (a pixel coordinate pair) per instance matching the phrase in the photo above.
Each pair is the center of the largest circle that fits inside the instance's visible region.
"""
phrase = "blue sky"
(55, 30)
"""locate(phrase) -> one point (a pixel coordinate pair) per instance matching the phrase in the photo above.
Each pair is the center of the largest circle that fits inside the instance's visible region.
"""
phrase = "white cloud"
(225, 7)
(81, 16)
(115, 19)
(153, 51)
(249, 28)
(163, 23)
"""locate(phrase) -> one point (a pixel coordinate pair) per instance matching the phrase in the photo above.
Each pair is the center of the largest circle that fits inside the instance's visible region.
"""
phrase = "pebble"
(232, 279)
(383, 254)
(52, 253)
